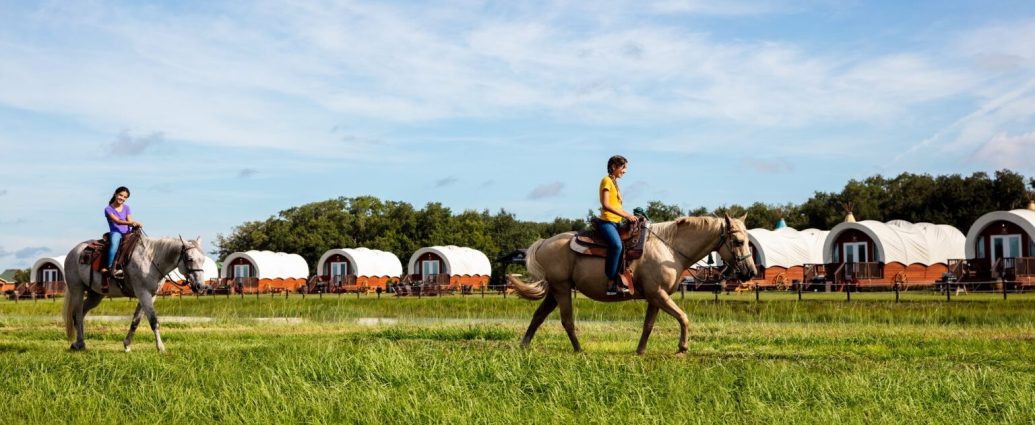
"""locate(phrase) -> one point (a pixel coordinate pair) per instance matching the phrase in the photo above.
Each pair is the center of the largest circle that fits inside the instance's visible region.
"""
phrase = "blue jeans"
(614, 248)
(115, 238)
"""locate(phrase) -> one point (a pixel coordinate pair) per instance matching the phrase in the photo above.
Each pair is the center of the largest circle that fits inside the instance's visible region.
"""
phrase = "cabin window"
(981, 247)
(338, 269)
(1031, 247)
(837, 255)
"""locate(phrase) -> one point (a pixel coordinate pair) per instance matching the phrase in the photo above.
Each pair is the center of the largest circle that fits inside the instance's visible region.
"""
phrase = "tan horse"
(671, 248)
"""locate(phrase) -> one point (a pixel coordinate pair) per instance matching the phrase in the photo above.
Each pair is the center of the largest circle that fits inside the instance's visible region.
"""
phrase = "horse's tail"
(536, 289)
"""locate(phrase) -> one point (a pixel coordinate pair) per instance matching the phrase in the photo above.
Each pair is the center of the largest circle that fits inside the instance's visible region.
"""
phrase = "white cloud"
(445, 181)
(1008, 151)
(769, 166)
(549, 190)
(128, 145)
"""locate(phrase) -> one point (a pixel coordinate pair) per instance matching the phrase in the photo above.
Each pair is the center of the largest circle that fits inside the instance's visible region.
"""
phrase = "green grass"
(457, 360)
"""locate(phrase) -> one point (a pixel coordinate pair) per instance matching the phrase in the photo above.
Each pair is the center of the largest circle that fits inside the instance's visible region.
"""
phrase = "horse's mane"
(667, 229)
(151, 246)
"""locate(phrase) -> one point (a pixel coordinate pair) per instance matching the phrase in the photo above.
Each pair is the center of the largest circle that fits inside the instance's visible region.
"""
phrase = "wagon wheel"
(780, 281)
(901, 280)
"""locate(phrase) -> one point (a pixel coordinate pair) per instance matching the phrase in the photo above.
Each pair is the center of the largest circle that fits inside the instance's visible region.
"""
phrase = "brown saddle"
(591, 242)
(94, 254)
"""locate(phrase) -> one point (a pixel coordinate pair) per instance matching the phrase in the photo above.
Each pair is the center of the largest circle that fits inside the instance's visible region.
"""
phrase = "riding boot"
(117, 274)
(612, 288)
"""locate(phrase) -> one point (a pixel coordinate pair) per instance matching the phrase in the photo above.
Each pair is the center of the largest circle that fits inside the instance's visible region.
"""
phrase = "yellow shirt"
(613, 197)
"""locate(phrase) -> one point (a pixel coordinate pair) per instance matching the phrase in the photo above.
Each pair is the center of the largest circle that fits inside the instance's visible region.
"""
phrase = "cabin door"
(50, 275)
(338, 271)
(429, 269)
(241, 272)
(1005, 246)
(855, 252)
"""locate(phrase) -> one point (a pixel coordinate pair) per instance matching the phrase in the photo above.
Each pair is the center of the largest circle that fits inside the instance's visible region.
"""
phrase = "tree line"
(397, 227)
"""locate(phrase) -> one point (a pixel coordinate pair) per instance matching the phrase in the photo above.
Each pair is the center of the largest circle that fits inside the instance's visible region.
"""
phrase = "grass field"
(457, 360)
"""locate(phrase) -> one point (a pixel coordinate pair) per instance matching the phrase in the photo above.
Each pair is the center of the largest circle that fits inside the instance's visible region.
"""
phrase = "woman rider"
(120, 219)
(611, 215)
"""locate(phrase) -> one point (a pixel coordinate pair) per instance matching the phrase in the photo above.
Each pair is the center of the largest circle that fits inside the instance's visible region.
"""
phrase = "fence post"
(682, 290)
(948, 293)
(896, 291)
(756, 292)
(1004, 291)
(848, 290)
(799, 289)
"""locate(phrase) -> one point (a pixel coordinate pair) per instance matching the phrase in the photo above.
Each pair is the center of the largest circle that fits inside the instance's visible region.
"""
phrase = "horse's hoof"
(126, 347)
(681, 352)
(78, 346)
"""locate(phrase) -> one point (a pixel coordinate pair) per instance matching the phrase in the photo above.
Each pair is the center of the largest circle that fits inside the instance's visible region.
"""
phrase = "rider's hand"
(137, 224)
(632, 218)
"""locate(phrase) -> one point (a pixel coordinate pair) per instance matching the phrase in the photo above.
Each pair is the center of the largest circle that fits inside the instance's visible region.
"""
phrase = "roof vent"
(849, 217)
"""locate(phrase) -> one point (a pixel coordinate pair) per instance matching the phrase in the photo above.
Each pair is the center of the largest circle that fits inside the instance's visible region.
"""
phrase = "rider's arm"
(605, 202)
(127, 222)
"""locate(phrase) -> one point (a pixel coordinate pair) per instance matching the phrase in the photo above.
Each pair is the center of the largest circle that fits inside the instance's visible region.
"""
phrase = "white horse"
(672, 247)
(145, 271)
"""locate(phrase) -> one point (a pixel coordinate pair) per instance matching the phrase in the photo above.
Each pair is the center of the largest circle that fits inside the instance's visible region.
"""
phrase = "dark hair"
(120, 189)
(615, 162)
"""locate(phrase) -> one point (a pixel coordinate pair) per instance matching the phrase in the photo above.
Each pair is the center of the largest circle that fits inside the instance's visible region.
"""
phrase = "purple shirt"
(114, 227)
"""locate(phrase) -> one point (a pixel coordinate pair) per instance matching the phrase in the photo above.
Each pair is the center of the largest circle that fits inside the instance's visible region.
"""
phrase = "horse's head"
(735, 250)
(191, 264)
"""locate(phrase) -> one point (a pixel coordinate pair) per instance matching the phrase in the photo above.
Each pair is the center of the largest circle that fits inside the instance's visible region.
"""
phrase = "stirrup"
(118, 274)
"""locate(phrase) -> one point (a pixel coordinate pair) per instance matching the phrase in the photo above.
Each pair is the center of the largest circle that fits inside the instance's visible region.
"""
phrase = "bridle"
(187, 263)
(725, 238)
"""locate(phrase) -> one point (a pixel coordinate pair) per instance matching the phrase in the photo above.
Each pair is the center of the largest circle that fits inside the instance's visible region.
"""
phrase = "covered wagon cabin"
(355, 270)
(46, 279)
(264, 271)
(7, 281)
(451, 266)
(1000, 247)
(876, 255)
(176, 284)
(785, 255)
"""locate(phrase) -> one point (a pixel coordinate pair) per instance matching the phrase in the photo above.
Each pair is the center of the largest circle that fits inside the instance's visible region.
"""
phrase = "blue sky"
(216, 113)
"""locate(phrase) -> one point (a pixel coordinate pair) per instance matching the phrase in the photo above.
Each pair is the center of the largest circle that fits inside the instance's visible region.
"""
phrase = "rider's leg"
(614, 254)
(114, 238)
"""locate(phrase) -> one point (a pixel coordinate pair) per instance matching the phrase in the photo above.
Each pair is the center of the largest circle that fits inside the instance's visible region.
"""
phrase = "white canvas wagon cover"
(210, 269)
(788, 247)
(365, 262)
(271, 265)
(904, 242)
(459, 260)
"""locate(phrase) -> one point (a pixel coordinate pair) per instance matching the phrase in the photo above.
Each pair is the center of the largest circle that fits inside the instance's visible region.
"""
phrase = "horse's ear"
(744, 218)
(181, 238)
(682, 220)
